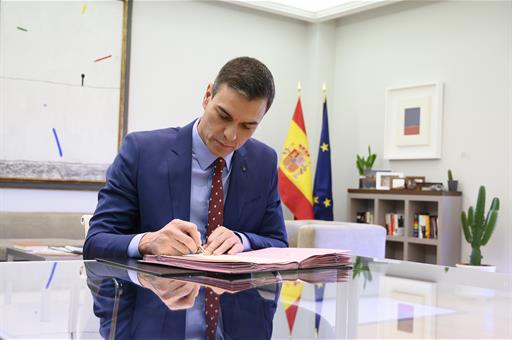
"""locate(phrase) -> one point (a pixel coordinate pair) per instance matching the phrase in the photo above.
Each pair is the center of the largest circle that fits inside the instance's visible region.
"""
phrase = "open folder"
(268, 259)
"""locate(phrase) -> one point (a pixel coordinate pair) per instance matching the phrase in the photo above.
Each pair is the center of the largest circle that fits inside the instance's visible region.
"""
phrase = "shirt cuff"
(245, 241)
(132, 274)
(133, 247)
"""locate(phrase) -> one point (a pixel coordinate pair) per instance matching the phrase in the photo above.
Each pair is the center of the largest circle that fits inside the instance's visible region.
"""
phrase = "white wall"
(467, 46)
(178, 47)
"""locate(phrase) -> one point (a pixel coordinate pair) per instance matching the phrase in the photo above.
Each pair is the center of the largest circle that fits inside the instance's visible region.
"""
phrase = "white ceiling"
(313, 10)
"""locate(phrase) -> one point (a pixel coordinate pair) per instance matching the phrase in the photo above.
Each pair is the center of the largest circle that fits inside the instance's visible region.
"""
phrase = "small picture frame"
(383, 179)
(414, 182)
(397, 183)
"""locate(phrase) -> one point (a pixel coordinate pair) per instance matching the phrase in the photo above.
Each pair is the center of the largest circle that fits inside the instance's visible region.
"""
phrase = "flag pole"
(299, 88)
(324, 91)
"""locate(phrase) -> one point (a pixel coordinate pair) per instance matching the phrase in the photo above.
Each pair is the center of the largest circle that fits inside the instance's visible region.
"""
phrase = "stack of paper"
(268, 259)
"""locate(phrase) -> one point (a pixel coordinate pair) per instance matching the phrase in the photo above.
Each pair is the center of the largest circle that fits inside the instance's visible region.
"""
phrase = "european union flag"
(322, 190)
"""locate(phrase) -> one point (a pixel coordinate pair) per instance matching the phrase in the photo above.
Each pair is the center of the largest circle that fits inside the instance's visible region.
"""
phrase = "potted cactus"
(478, 228)
(364, 164)
(452, 184)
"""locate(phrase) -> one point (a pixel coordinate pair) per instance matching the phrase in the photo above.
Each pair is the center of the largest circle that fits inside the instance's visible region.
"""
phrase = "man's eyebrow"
(220, 108)
(223, 111)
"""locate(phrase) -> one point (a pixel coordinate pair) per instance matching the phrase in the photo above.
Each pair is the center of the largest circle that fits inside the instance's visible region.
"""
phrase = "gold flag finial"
(299, 88)
(324, 91)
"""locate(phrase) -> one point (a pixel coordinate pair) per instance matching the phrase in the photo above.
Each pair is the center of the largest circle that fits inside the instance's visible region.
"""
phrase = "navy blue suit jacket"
(148, 185)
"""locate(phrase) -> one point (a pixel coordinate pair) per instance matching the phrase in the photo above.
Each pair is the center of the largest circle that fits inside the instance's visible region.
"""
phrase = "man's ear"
(207, 95)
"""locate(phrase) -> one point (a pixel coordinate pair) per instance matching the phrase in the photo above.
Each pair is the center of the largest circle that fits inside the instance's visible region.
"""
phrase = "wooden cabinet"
(447, 206)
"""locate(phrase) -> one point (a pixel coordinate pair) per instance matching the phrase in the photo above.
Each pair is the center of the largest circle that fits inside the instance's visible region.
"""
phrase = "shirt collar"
(201, 152)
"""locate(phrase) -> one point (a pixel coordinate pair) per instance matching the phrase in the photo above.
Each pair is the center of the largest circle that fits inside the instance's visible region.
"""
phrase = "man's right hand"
(176, 238)
(175, 294)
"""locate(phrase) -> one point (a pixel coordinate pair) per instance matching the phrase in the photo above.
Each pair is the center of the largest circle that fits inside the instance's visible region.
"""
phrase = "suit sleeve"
(116, 218)
(272, 231)
(110, 286)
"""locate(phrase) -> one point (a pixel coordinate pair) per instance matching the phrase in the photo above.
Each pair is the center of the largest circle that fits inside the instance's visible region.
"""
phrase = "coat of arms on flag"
(296, 157)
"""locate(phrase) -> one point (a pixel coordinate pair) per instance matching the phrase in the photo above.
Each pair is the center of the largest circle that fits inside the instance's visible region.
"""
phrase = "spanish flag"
(291, 293)
(295, 179)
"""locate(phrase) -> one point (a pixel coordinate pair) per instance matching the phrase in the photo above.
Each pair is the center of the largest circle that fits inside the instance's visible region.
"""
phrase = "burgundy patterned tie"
(215, 219)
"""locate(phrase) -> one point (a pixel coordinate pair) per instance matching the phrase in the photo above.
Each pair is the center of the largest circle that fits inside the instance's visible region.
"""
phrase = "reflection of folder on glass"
(268, 259)
(240, 282)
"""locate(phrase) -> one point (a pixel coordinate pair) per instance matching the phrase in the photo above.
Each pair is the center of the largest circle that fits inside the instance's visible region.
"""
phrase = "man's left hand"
(222, 241)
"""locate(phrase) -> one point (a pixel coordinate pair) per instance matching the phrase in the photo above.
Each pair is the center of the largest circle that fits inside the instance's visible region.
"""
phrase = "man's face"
(229, 119)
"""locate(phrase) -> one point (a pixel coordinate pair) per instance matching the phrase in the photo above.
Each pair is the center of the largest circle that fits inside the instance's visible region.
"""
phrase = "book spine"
(427, 226)
(415, 226)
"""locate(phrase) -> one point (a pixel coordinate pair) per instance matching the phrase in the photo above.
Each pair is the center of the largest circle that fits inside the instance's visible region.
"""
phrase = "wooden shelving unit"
(445, 250)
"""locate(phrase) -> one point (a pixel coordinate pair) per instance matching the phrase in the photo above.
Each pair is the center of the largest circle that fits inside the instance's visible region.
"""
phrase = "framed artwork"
(69, 116)
(384, 179)
(413, 122)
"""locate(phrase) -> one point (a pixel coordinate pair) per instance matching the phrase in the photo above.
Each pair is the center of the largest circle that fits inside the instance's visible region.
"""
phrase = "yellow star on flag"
(324, 147)
(327, 202)
(315, 199)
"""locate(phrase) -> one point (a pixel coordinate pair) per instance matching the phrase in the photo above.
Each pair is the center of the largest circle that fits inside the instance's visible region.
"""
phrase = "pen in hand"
(201, 250)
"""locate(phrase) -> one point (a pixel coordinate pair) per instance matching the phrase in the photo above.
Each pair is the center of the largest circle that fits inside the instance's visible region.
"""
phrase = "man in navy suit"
(155, 200)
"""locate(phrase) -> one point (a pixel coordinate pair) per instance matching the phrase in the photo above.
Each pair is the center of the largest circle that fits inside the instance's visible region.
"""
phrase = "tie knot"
(219, 165)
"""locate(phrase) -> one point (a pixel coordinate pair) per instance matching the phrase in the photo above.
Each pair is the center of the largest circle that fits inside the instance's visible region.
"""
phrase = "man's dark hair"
(249, 77)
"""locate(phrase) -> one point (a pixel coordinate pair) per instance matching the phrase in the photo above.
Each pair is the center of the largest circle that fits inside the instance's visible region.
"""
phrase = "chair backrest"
(292, 229)
(34, 225)
(85, 223)
(362, 239)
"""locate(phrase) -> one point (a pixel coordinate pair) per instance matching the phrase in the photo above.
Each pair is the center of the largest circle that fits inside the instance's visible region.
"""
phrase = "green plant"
(478, 230)
(361, 266)
(363, 163)
(450, 175)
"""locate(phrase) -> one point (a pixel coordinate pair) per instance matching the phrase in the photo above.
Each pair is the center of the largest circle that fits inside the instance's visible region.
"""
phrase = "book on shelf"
(425, 226)
(364, 217)
(268, 259)
(394, 224)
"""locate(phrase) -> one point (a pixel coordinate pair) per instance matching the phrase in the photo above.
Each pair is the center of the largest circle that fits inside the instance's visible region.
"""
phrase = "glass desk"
(374, 299)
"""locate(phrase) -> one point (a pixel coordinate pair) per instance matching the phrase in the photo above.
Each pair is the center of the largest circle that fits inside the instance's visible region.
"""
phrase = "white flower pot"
(471, 291)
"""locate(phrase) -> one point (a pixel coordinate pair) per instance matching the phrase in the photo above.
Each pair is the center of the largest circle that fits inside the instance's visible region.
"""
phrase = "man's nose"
(230, 132)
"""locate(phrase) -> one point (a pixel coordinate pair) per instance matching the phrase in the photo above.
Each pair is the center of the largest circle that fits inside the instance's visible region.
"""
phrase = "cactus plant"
(477, 230)
(452, 184)
(363, 163)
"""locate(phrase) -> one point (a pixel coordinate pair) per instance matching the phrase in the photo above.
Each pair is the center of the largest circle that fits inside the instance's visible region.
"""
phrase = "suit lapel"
(237, 189)
(180, 169)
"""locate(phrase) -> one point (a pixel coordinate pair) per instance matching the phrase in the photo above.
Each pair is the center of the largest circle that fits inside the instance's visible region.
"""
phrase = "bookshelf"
(447, 206)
